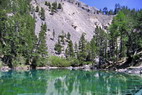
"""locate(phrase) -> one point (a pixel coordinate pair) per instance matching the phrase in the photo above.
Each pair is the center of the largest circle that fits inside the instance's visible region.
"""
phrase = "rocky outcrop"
(75, 17)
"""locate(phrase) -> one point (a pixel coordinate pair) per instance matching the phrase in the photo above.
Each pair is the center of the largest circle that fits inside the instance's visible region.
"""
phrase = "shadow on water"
(66, 82)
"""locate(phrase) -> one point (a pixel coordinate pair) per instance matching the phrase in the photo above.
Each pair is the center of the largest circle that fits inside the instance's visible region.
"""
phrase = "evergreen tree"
(53, 34)
(82, 53)
(68, 36)
(76, 50)
(46, 3)
(42, 47)
(70, 50)
(139, 28)
(54, 7)
(37, 9)
(62, 37)
(117, 8)
(59, 6)
(18, 42)
(111, 12)
(58, 47)
(88, 48)
(98, 45)
(93, 47)
(120, 36)
(19, 39)
(105, 11)
(42, 15)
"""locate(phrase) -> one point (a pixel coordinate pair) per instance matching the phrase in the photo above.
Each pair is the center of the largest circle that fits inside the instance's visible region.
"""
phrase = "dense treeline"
(18, 43)
(19, 46)
(121, 43)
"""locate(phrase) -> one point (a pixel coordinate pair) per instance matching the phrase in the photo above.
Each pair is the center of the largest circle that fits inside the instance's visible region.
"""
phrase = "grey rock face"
(75, 17)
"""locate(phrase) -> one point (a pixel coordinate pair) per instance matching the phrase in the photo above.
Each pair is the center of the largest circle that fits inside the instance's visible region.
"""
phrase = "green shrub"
(41, 61)
(58, 61)
(135, 57)
(58, 48)
(74, 62)
(1, 63)
(87, 63)
(19, 60)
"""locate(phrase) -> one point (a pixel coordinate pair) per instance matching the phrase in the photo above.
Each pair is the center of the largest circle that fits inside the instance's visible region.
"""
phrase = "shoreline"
(130, 70)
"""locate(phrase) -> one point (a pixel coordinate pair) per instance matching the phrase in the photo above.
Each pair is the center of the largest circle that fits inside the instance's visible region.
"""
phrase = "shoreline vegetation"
(116, 48)
(131, 70)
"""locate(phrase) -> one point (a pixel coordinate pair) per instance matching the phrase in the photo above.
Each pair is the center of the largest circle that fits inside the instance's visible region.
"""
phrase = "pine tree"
(94, 48)
(59, 6)
(18, 42)
(70, 50)
(118, 36)
(98, 46)
(37, 9)
(42, 16)
(105, 11)
(82, 53)
(42, 47)
(68, 36)
(111, 12)
(76, 50)
(46, 2)
(42, 41)
(54, 7)
(58, 47)
(117, 8)
(88, 48)
(53, 34)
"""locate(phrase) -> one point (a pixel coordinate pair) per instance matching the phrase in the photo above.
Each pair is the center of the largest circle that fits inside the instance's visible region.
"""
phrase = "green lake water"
(67, 82)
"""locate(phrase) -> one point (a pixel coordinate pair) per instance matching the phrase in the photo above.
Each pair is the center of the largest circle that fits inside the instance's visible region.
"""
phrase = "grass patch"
(55, 61)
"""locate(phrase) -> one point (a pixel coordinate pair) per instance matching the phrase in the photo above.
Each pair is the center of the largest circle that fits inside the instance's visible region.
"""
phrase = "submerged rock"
(139, 92)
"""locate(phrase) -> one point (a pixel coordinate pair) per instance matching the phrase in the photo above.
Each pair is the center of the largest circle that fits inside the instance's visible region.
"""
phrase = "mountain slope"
(75, 17)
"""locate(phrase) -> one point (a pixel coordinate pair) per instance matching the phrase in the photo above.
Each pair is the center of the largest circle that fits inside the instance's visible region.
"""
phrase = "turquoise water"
(66, 82)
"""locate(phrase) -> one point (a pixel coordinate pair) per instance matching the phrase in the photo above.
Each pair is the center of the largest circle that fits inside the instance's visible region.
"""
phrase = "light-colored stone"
(73, 18)
(87, 67)
(5, 69)
(53, 67)
(70, 68)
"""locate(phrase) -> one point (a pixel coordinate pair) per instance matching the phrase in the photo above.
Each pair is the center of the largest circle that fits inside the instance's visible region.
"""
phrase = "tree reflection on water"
(66, 82)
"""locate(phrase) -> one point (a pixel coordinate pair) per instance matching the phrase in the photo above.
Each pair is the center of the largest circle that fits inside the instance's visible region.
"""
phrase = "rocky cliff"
(74, 17)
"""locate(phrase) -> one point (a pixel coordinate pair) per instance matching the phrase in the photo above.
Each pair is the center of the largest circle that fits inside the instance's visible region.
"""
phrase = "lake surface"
(67, 82)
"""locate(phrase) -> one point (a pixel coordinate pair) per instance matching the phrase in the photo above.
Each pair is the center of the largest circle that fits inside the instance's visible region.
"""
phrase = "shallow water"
(66, 82)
